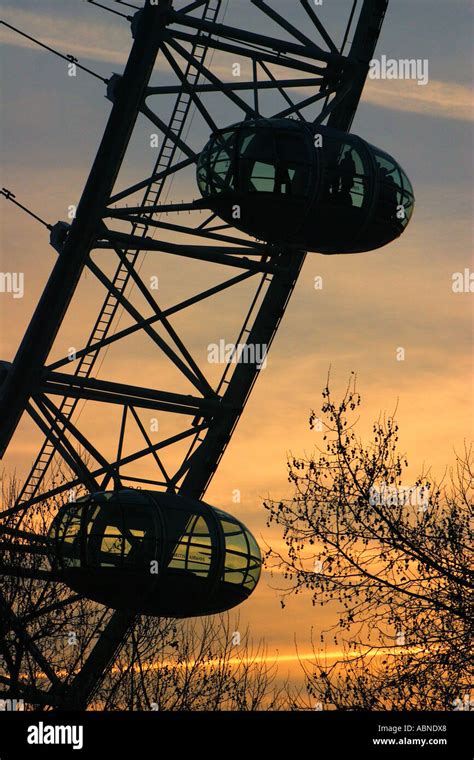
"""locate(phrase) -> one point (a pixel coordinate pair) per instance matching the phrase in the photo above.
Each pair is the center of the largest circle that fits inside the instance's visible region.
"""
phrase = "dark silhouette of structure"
(206, 560)
(268, 178)
(154, 553)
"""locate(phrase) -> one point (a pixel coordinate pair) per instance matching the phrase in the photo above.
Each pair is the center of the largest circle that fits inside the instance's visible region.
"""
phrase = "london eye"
(278, 176)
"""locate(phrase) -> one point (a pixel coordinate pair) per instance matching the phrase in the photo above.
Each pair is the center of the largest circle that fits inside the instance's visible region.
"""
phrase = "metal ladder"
(122, 276)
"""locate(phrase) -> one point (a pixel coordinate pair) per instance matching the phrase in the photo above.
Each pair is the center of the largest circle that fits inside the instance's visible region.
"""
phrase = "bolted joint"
(337, 74)
(136, 23)
(58, 236)
(113, 86)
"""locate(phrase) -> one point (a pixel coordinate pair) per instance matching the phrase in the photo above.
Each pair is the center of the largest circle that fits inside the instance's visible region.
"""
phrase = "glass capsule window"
(242, 561)
(66, 532)
(256, 159)
(396, 198)
(215, 170)
(408, 198)
(255, 563)
(345, 176)
(273, 161)
(96, 534)
(192, 548)
(113, 541)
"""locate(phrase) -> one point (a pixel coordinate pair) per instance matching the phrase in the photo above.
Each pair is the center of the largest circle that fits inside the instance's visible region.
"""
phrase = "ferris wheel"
(126, 531)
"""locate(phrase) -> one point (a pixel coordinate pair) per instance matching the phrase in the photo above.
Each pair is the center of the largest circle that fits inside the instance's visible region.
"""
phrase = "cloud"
(109, 43)
(440, 99)
(445, 100)
(98, 41)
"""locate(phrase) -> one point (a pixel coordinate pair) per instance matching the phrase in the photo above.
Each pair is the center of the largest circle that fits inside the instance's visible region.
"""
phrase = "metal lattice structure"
(129, 224)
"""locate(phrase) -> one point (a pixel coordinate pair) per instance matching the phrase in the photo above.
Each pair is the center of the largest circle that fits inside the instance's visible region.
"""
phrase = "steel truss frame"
(48, 393)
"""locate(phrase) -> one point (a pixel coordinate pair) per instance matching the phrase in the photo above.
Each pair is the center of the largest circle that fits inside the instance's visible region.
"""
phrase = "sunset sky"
(370, 304)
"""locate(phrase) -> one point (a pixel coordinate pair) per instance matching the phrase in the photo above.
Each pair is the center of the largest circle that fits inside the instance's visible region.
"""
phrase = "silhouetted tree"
(205, 665)
(47, 632)
(395, 561)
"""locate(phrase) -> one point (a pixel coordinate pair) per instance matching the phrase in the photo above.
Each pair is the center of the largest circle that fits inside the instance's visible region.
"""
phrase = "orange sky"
(370, 304)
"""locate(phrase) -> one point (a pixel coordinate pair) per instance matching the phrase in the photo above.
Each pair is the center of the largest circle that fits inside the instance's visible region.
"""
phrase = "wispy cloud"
(106, 43)
(445, 100)
(440, 99)
(98, 41)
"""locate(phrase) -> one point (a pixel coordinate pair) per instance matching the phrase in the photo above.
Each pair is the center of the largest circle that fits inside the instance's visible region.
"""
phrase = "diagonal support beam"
(246, 108)
(41, 333)
(59, 421)
(149, 442)
(163, 127)
(259, 249)
(279, 59)
(205, 389)
(65, 361)
(146, 183)
(231, 33)
(185, 353)
(190, 90)
(9, 616)
(54, 433)
(296, 33)
(319, 26)
(191, 432)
